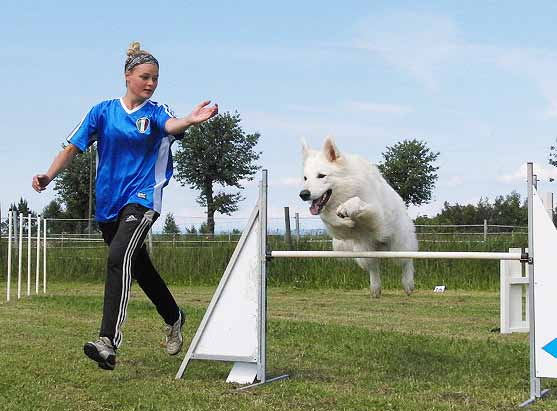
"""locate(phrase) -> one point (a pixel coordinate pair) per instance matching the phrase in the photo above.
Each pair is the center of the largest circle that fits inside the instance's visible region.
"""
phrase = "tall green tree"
(72, 185)
(409, 168)
(22, 208)
(217, 153)
(170, 226)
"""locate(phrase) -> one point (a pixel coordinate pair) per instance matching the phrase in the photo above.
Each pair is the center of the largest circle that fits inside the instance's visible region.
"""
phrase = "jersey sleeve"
(85, 133)
(163, 114)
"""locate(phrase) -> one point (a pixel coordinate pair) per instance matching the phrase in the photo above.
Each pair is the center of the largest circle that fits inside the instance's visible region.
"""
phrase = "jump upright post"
(234, 325)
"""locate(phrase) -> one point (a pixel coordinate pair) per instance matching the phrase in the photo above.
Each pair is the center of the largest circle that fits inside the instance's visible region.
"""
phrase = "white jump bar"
(465, 255)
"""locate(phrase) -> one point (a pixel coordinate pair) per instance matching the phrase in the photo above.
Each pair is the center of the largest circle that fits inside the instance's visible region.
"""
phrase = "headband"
(141, 58)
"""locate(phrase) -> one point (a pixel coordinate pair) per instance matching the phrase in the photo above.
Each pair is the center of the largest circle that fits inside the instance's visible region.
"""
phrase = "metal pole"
(453, 255)
(90, 189)
(485, 230)
(29, 221)
(44, 257)
(20, 256)
(261, 372)
(10, 227)
(15, 229)
(39, 222)
(535, 385)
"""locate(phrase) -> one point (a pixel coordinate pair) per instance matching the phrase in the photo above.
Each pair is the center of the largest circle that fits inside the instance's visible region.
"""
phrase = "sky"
(476, 81)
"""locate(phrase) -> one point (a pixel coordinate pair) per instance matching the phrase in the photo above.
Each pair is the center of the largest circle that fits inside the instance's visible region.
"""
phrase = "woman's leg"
(154, 287)
(133, 224)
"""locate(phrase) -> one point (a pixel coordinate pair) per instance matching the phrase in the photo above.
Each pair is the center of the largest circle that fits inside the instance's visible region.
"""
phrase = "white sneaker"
(102, 351)
(174, 340)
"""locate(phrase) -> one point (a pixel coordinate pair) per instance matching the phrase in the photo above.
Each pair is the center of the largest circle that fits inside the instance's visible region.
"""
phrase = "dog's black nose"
(305, 195)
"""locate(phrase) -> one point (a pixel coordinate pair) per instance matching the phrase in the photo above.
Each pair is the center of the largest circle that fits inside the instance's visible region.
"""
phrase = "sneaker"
(174, 339)
(102, 351)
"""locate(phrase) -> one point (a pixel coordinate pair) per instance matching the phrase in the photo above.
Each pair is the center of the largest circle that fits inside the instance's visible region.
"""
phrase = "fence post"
(9, 279)
(287, 234)
(29, 232)
(37, 279)
(44, 255)
(485, 230)
(150, 240)
(297, 219)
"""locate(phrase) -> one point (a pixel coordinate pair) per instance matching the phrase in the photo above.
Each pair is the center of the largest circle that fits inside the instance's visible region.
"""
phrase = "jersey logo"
(142, 195)
(142, 124)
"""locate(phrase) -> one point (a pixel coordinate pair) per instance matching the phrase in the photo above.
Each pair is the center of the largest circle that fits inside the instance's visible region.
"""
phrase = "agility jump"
(234, 325)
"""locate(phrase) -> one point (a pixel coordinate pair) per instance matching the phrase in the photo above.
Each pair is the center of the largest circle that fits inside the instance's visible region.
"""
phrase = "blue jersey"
(134, 161)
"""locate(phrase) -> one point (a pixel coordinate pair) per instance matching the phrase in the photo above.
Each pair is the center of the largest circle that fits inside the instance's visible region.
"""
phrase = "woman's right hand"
(40, 181)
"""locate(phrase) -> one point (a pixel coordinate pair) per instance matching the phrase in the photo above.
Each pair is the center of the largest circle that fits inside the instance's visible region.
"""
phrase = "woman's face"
(142, 80)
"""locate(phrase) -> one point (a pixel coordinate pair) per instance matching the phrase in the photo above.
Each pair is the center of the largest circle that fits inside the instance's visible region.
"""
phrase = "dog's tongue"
(314, 209)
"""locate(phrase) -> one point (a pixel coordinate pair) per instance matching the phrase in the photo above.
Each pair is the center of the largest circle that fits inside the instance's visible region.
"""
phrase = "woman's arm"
(60, 162)
(201, 113)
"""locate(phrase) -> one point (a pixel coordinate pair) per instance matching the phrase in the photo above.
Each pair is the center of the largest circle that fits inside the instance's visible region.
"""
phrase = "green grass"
(342, 350)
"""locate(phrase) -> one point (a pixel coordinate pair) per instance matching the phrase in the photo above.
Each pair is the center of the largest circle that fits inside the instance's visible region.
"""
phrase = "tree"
(191, 230)
(408, 168)
(53, 210)
(505, 210)
(170, 226)
(72, 185)
(22, 208)
(217, 152)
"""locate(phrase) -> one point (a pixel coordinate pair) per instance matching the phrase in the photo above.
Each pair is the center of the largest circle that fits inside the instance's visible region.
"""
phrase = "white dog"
(361, 211)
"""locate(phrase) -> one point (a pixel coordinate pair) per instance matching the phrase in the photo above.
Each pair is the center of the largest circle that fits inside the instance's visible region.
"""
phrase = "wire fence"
(82, 233)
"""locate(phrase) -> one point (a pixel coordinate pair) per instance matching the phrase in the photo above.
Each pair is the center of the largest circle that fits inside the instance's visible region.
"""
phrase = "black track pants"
(127, 259)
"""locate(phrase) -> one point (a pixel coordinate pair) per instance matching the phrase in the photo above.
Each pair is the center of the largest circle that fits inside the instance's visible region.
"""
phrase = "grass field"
(342, 350)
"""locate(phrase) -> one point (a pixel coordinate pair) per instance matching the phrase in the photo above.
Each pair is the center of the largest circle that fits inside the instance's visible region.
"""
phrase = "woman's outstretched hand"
(202, 112)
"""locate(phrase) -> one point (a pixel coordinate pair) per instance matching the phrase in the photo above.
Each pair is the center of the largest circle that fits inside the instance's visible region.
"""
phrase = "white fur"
(364, 213)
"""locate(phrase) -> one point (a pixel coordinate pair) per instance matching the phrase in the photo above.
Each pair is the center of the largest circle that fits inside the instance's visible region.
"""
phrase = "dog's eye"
(321, 175)
(305, 178)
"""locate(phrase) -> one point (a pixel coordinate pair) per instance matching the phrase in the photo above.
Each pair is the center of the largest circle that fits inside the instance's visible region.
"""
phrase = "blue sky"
(477, 81)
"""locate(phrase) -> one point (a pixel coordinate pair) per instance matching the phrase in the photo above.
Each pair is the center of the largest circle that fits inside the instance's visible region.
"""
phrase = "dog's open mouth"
(318, 204)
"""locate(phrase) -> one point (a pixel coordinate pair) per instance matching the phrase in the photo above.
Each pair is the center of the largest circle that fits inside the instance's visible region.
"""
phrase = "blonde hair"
(136, 56)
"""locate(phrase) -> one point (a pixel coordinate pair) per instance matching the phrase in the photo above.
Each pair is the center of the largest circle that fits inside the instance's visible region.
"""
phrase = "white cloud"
(426, 45)
(543, 172)
(287, 182)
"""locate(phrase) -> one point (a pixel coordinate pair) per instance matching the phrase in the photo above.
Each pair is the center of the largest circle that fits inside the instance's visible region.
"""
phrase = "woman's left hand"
(202, 112)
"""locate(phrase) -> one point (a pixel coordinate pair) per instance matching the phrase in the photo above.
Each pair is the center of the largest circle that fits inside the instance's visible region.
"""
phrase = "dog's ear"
(305, 147)
(330, 149)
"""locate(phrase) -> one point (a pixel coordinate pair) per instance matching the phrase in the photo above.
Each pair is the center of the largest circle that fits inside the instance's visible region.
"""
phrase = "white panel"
(232, 327)
(547, 201)
(243, 373)
(545, 289)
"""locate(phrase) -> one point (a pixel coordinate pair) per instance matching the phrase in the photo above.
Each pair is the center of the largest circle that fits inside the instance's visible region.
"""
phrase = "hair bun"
(134, 49)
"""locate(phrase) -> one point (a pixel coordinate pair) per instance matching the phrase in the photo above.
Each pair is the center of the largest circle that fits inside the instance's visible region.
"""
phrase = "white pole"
(453, 255)
(20, 256)
(38, 254)
(10, 228)
(29, 221)
(44, 257)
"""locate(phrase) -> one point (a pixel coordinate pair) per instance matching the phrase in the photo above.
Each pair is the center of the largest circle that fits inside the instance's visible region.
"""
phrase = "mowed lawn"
(343, 351)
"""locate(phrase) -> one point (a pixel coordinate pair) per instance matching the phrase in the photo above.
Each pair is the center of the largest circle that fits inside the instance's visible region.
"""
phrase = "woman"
(133, 136)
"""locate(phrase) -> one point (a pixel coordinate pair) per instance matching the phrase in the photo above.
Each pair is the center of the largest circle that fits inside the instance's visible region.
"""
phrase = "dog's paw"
(349, 208)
